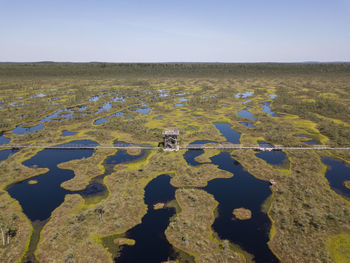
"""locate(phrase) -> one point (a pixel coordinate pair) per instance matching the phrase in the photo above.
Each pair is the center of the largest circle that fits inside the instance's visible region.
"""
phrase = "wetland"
(110, 205)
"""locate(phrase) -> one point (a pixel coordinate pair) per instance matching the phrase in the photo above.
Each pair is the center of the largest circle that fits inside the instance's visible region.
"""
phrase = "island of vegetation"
(242, 213)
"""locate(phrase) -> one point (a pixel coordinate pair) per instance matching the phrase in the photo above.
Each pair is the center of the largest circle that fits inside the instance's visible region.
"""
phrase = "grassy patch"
(338, 247)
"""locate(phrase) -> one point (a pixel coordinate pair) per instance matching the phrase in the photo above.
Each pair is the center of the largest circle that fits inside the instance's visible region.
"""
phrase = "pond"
(311, 141)
(3, 139)
(241, 190)
(117, 114)
(4, 154)
(39, 200)
(19, 130)
(337, 173)
(231, 135)
(63, 114)
(192, 154)
(151, 244)
(267, 109)
(100, 121)
(67, 133)
(143, 110)
(271, 157)
(246, 114)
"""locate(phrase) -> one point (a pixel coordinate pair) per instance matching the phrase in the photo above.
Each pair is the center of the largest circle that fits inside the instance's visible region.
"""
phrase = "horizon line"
(176, 62)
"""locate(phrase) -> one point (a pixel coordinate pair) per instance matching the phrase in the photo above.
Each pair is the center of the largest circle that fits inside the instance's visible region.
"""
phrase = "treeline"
(95, 70)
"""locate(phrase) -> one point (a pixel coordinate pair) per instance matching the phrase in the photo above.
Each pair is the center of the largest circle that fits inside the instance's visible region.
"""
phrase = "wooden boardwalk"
(223, 146)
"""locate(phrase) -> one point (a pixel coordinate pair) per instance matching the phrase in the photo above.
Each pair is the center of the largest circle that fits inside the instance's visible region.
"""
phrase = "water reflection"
(243, 95)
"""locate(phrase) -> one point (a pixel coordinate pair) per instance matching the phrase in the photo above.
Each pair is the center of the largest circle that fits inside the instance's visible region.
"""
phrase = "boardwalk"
(223, 146)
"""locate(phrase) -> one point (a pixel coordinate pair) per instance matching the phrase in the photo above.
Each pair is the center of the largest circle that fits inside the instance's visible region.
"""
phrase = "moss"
(124, 241)
(158, 206)
(338, 246)
(347, 184)
(242, 213)
(32, 182)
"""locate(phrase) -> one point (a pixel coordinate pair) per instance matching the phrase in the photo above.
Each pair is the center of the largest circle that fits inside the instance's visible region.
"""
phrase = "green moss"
(338, 247)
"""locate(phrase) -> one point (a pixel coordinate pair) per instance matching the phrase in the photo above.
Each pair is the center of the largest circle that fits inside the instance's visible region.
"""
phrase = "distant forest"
(51, 69)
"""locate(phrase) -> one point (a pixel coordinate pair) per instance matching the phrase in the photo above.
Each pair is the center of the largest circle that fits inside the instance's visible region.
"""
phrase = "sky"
(174, 31)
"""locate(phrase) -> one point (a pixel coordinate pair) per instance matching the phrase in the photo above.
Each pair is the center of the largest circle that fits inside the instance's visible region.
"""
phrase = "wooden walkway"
(223, 146)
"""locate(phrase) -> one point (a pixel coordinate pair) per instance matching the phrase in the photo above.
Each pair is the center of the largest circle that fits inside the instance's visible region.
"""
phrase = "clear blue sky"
(175, 31)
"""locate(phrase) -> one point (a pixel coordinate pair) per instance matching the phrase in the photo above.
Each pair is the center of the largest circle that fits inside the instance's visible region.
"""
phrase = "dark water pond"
(337, 173)
(151, 244)
(143, 110)
(19, 130)
(241, 190)
(3, 139)
(100, 121)
(39, 200)
(267, 109)
(272, 157)
(231, 135)
(192, 154)
(67, 133)
(117, 114)
(4, 154)
(63, 114)
(309, 142)
(246, 114)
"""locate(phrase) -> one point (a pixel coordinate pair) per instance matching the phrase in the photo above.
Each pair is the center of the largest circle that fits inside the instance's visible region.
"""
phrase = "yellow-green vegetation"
(32, 182)
(191, 229)
(308, 217)
(158, 206)
(347, 184)
(242, 213)
(85, 169)
(339, 247)
(124, 241)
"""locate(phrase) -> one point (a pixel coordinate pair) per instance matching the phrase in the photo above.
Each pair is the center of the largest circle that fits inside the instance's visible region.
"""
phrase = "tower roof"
(171, 132)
